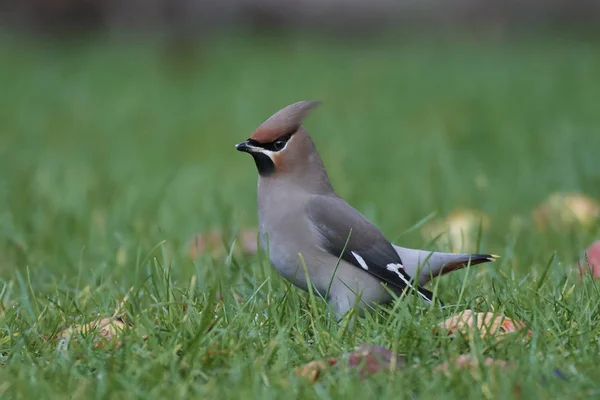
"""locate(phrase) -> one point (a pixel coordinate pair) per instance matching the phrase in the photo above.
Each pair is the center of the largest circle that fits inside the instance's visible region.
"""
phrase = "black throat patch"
(264, 164)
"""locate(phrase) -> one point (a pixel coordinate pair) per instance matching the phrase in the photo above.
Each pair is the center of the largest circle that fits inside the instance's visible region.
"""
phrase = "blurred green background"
(144, 139)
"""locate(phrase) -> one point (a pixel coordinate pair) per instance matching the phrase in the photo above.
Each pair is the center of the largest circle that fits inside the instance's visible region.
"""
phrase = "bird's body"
(276, 239)
(307, 229)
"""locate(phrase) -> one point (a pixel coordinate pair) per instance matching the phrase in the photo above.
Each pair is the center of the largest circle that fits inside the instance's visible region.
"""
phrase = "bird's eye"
(279, 144)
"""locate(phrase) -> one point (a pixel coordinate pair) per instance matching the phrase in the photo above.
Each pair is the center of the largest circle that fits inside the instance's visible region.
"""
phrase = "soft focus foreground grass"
(113, 155)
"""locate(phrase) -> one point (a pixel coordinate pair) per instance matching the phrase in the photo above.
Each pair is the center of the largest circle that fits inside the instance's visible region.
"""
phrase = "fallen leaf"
(212, 243)
(107, 330)
(468, 362)
(313, 369)
(209, 242)
(371, 359)
(564, 210)
(458, 231)
(366, 359)
(467, 323)
(249, 240)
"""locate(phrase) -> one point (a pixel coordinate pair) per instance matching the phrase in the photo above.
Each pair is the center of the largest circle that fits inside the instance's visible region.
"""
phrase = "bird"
(313, 237)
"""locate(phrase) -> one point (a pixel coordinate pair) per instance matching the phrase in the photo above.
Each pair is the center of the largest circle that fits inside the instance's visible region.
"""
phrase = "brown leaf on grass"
(209, 242)
(468, 362)
(313, 369)
(590, 262)
(248, 239)
(457, 231)
(467, 323)
(212, 243)
(370, 359)
(564, 210)
(366, 359)
(105, 331)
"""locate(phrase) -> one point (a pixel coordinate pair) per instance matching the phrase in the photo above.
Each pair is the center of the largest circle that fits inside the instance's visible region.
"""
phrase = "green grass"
(113, 156)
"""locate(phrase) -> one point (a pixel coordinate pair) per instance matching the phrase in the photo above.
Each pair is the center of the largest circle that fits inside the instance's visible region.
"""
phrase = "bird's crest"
(284, 121)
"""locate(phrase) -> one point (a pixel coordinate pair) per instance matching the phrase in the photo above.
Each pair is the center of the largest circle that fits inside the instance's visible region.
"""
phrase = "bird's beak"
(248, 147)
(244, 146)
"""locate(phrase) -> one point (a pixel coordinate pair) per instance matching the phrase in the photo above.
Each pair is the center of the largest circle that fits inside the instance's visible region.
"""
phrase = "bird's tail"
(428, 264)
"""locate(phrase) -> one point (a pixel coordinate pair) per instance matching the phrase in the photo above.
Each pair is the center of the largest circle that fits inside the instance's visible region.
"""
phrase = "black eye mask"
(274, 146)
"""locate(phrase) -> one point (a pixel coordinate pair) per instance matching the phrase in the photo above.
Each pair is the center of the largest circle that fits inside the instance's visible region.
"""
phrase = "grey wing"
(346, 232)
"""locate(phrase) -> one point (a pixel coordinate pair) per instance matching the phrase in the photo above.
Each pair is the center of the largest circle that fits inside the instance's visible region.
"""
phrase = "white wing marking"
(360, 260)
(396, 268)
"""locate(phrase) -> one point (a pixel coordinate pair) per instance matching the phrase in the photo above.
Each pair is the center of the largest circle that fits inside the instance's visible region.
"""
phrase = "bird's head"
(281, 146)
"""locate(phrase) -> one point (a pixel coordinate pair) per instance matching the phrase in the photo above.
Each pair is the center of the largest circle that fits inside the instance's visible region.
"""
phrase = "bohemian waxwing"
(303, 223)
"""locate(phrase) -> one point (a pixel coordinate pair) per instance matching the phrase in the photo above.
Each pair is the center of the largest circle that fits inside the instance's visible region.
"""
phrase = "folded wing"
(346, 232)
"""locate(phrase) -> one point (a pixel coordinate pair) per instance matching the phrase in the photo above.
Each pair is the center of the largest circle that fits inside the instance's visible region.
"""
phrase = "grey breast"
(285, 233)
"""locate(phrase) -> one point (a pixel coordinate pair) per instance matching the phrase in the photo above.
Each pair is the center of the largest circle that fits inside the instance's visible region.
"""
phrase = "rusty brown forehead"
(262, 135)
(283, 122)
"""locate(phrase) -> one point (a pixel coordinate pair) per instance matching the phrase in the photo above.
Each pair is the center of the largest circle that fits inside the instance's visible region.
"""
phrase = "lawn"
(114, 155)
